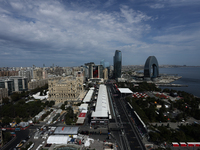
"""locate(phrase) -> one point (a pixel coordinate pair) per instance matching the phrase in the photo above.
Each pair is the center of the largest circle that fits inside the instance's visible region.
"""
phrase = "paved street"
(20, 135)
(129, 137)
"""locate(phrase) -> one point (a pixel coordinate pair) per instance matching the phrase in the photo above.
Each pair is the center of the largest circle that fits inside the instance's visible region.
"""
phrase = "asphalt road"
(20, 135)
(129, 137)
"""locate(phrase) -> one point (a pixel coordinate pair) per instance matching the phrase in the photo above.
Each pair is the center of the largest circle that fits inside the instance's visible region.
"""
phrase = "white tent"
(125, 90)
(102, 105)
(83, 107)
(57, 139)
(88, 96)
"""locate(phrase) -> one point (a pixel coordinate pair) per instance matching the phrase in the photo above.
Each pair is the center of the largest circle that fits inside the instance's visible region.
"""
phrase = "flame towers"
(117, 62)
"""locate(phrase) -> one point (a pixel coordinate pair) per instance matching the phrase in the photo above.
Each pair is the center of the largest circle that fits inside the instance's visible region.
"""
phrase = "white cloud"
(62, 28)
(53, 30)
(157, 6)
(16, 5)
(109, 3)
(181, 38)
(133, 16)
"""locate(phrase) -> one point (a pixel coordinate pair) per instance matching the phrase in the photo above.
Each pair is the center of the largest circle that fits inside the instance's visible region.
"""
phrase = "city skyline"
(70, 33)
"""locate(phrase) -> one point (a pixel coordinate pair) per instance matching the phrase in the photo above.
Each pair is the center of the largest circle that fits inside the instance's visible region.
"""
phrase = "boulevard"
(129, 137)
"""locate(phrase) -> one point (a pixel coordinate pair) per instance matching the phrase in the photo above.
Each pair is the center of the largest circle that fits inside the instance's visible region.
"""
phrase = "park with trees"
(187, 106)
(18, 109)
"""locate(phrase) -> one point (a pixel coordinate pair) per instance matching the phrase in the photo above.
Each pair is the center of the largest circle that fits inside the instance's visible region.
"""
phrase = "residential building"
(25, 73)
(14, 83)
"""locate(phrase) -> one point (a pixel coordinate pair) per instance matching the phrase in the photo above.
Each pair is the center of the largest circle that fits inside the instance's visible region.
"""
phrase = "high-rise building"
(117, 63)
(90, 69)
(105, 74)
(25, 73)
(102, 62)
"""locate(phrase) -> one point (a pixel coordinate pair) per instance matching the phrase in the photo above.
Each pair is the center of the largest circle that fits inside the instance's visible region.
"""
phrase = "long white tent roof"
(66, 130)
(102, 106)
(88, 96)
(57, 139)
(125, 90)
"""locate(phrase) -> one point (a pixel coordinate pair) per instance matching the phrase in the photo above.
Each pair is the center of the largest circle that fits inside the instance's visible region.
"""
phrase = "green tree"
(62, 107)
(150, 112)
(154, 136)
(34, 120)
(18, 120)
(167, 125)
(15, 96)
(51, 103)
(6, 120)
(6, 137)
(69, 117)
(5, 100)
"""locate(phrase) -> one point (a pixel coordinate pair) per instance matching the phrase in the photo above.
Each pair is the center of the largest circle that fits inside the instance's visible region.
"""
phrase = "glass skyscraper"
(117, 60)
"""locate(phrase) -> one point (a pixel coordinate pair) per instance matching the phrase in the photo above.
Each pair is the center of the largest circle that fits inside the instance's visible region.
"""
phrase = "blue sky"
(71, 33)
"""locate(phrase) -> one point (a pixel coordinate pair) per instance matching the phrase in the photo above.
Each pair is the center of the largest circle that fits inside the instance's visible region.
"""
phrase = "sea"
(190, 77)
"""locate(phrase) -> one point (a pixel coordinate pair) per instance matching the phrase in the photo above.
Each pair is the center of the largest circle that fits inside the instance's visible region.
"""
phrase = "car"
(24, 141)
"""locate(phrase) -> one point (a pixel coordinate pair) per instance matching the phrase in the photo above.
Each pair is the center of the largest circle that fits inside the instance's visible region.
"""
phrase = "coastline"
(189, 75)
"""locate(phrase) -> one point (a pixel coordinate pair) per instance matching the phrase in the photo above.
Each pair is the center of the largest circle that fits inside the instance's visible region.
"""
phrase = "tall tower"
(117, 60)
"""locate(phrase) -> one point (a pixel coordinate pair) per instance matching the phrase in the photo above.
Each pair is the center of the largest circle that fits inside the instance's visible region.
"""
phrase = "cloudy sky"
(74, 32)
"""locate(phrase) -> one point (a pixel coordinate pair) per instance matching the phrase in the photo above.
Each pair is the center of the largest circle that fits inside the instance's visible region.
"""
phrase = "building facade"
(25, 73)
(37, 83)
(3, 94)
(151, 62)
(117, 62)
(20, 83)
(105, 74)
(92, 71)
(14, 84)
(63, 89)
(39, 74)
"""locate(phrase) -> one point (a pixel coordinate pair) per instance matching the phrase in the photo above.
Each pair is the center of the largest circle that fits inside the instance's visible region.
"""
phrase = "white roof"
(66, 130)
(100, 114)
(57, 139)
(175, 143)
(37, 96)
(83, 107)
(88, 141)
(125, 90)
(88, 96)
(84, 111)
(80, 120)
(59, 111)
(102, 105)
